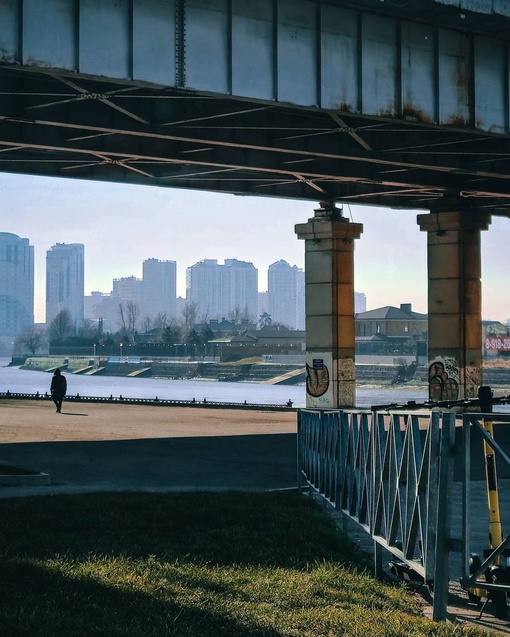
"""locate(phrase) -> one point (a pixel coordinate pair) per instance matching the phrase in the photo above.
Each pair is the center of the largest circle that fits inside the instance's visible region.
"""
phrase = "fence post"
(378, 561)
(466, 487)
(439, 609)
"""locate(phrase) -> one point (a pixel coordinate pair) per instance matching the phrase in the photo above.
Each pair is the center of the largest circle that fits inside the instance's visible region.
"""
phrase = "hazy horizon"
(123, 225)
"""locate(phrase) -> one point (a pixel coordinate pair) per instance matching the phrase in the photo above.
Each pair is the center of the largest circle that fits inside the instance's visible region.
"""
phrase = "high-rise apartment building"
(286, 295)
(203, 287)
(127, 288)
(360, 302)
(103, 309)
(16, 286)
(159, 285)
(65, 284)
(154, 294)
(222, 290)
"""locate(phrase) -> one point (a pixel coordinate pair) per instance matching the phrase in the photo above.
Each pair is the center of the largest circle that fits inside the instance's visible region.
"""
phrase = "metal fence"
(489, 572)
(160, 402)
(393, 473)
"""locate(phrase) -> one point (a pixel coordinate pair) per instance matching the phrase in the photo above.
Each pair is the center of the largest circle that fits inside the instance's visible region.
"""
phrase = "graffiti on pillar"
(347, 381)
(346, 369)
(317, 378)
(444, 379)
(473, 381)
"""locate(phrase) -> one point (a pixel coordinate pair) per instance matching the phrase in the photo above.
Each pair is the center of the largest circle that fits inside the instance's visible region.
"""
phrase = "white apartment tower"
(220, 290)
(127, 288)
(360, 302)
(65, 282)
(286, 295)
(159, 285)
(16, 286)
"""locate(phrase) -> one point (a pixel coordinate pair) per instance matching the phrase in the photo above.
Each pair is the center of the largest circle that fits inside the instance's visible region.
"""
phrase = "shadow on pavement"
(255, 462)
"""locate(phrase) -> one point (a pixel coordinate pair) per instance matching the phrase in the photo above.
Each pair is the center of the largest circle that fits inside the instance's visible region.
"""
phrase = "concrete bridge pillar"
(330, 333)
(454, 302)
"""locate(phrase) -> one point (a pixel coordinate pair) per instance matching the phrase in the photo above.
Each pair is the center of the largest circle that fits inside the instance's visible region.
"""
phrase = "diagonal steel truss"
(65, 124)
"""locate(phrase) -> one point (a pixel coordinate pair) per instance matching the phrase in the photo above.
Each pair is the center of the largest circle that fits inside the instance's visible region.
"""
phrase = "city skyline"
(123, 225)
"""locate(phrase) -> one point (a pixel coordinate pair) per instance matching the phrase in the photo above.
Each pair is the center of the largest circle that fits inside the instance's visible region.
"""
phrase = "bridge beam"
(330, 332)
(454, 302)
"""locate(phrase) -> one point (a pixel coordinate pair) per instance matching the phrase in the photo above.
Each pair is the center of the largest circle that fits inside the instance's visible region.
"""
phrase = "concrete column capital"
(319, 228)
(465, 220)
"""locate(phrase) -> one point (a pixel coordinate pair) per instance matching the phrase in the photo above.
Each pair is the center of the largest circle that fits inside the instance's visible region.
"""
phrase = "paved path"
(96, 447)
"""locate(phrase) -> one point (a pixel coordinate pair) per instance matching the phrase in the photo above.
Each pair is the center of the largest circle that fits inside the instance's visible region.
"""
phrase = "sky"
(122, 225)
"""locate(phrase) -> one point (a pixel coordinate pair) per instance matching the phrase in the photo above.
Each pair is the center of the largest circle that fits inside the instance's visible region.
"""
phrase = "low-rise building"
(391, 330)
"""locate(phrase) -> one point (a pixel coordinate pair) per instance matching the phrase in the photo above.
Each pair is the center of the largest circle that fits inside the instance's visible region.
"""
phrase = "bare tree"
(189, 315)
(235, 315)
(88, 329)
(161, 320)
(147, 324)
(128, 315)
(246, 316)
(122, 317)
(30, 339)
(133, 312)
(61, 326)
(205, 317)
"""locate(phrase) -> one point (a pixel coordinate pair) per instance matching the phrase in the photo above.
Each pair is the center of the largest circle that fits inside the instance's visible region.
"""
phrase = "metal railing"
(392, 474)
(160, 402)
(490, 575)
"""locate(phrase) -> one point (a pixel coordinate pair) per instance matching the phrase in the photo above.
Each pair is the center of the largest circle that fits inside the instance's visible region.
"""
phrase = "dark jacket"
(58, 385)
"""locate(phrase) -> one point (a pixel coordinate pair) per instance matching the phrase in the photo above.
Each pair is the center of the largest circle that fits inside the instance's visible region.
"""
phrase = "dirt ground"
(37, 421)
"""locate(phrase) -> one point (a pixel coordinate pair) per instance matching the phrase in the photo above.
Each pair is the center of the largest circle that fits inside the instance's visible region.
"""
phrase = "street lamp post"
(121, 351)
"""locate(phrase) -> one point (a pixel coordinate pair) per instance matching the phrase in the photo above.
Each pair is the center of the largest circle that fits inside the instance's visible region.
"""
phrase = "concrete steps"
(145, 371)
(287, 378)
(83, 370)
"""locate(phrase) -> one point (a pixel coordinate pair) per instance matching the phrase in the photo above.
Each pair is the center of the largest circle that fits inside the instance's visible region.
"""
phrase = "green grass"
(191, 565)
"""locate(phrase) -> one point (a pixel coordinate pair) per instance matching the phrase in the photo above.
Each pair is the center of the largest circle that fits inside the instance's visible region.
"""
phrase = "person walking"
(58, 388)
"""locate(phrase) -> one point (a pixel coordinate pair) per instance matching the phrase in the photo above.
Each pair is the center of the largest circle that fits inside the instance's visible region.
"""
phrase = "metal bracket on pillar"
(328, 211)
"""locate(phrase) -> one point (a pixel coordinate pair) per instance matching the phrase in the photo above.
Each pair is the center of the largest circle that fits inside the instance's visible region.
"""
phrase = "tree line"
(160, 329)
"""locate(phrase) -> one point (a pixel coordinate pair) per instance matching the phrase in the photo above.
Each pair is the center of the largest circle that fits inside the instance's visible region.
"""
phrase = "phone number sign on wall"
(500, 344)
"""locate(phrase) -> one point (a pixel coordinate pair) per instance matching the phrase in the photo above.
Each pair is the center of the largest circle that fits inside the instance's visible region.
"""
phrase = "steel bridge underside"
(441, 146)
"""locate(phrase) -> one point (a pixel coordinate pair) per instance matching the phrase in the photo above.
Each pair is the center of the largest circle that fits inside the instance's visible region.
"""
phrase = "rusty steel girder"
(365, 102)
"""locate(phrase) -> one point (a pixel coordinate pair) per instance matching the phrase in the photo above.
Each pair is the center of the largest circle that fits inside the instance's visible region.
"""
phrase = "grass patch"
(191, 565)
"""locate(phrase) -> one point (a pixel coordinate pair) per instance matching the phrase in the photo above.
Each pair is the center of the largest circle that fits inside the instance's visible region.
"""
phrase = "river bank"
(247, 370)
(211, 392)
(253, 370)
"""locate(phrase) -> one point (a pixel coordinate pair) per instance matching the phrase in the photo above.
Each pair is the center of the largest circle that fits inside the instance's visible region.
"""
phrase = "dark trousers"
(57, 399)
